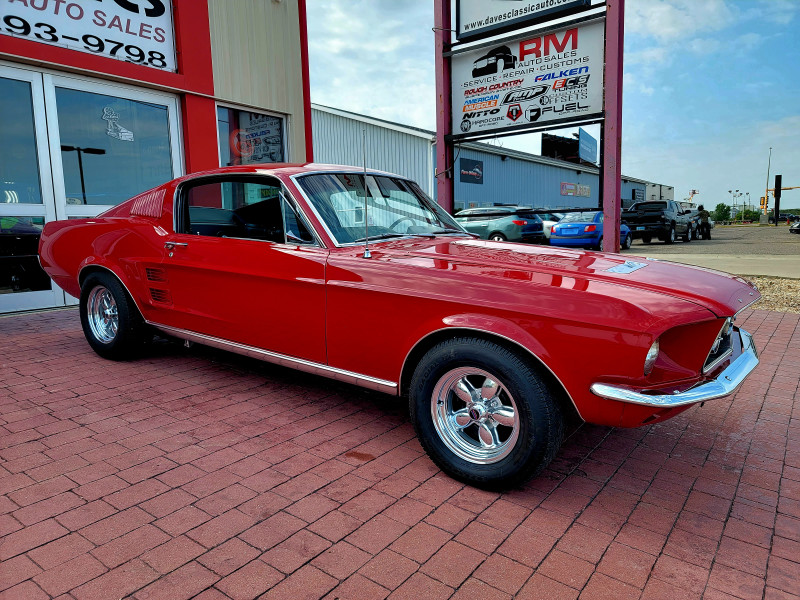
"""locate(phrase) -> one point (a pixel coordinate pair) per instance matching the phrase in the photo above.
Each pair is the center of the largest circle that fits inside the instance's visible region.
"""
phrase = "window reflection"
(247, 138)
(111, 148)
(19, 163)
(19, 261)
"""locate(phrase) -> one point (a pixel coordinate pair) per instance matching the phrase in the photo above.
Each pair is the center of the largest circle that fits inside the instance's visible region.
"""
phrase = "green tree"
(721, 213)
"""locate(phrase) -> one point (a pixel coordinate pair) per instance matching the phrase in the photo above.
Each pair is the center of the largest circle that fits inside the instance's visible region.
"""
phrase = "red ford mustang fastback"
(358, 276)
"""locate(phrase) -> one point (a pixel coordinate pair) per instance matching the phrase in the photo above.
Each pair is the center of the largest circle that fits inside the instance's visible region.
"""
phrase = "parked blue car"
(585, 230)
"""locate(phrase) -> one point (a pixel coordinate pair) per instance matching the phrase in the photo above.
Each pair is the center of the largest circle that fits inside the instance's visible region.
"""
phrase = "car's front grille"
(721, 348)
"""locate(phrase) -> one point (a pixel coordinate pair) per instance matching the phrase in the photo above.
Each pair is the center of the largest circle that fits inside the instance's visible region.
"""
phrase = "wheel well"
(86, 271)
(496, 233)
(557, 388)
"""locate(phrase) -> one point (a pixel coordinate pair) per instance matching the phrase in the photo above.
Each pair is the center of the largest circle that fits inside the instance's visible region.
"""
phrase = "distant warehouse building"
(485, 175)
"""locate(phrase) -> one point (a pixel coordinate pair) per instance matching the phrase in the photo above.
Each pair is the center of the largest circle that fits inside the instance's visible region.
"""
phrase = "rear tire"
(483, 414)
(497, 237)
(628, 242)
(111, 322)
(646, 239)
(670, 237)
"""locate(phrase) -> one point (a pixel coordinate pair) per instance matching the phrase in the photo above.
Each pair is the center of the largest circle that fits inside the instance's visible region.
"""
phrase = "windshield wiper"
(382, 236)
(451, 231)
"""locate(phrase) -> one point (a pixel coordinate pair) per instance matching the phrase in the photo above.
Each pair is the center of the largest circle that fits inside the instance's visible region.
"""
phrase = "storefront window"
(19, 261)
(111, 148)
(247, 138)
(19, 165)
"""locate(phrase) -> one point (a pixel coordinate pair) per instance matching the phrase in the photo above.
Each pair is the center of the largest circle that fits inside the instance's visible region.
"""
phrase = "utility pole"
(766, 187)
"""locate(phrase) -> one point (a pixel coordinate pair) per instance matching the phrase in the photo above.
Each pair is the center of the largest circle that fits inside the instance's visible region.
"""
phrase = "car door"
(243, 266)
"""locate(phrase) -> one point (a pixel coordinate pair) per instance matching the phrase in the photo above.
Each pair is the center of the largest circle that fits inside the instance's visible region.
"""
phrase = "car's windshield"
(391, 207)
(579, 217)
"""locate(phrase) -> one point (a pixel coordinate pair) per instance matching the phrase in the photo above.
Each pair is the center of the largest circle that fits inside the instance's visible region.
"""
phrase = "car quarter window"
(241, 208)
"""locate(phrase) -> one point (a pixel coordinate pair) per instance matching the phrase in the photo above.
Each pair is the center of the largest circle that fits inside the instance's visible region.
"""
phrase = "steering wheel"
(400, 220)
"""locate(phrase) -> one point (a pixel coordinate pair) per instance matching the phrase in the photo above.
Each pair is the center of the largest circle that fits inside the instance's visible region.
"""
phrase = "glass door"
(26, 192)
(71, 147)
(108, 143)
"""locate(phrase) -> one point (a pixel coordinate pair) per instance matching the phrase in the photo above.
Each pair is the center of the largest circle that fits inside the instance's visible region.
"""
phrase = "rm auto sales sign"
(552, 76)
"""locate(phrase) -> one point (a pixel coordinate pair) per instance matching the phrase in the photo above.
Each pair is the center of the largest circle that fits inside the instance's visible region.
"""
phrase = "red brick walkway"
(199, 474)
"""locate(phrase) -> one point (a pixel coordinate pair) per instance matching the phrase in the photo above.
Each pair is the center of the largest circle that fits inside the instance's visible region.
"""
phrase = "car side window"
(242, 208)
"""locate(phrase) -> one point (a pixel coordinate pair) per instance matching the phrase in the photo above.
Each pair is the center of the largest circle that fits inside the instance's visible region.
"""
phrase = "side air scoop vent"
(156, 274)
(160, 296)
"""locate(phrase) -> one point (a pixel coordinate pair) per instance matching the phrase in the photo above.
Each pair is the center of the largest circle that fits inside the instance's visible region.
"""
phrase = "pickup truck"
(663, 219)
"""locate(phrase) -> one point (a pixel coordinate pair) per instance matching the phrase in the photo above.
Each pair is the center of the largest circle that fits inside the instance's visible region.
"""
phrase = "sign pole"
(612, 130)
(444, 150)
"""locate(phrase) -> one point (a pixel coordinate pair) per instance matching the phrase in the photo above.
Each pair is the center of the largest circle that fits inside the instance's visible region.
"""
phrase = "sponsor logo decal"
(514, 112)
(525, 94)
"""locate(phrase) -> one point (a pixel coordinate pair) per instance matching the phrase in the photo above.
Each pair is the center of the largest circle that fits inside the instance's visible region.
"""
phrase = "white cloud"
(676, 19)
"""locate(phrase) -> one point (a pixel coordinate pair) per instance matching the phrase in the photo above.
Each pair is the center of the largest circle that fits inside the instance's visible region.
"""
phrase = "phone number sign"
(550, 77)
(138, 32)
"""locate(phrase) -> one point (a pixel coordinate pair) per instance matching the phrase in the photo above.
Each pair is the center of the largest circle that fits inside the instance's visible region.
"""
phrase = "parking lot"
(731, 240)
(192, 473)
(747, 250)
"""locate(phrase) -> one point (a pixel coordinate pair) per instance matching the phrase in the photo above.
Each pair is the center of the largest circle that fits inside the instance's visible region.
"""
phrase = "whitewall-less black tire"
(110, 320)
(483, 413)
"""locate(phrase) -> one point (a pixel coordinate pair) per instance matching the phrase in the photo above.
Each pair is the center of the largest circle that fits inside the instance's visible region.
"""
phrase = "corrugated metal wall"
(522, 182)
(260, 36)
(338, 140)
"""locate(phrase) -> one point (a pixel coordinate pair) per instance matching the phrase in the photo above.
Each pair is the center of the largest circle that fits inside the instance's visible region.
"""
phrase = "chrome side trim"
(307, 366)
(508, 339)
(724, 385)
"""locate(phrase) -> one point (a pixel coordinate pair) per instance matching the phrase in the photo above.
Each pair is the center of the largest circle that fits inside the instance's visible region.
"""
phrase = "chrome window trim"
(307, 366)
(176, 196)
(296, 180)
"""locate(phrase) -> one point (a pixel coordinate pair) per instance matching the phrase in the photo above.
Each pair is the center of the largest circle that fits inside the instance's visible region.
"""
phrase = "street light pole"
(80, 151)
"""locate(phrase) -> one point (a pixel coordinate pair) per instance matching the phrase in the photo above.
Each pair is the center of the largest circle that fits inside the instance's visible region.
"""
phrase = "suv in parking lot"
(500, 223)
(663, 219)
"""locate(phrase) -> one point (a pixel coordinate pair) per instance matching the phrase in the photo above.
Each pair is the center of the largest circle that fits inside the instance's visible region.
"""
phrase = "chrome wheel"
(475, 415)
(101, 310)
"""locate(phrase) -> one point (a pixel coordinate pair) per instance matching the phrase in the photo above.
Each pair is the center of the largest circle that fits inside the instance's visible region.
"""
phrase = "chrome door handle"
(172, 245)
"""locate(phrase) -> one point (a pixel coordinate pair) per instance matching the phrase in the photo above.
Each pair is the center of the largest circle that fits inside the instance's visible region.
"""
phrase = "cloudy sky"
(709, 85)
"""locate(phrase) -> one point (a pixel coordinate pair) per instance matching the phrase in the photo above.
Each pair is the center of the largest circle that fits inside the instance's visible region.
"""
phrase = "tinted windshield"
(346, 203)
(579, 217)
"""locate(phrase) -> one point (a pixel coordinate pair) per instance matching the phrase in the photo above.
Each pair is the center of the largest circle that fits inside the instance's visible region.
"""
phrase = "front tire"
(483, 414)
(111, 322)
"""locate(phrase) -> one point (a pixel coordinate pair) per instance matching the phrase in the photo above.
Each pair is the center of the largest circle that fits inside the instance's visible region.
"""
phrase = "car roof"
(287, 169)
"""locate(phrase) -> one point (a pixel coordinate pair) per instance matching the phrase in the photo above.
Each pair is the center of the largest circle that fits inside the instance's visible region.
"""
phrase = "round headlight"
(651, 357)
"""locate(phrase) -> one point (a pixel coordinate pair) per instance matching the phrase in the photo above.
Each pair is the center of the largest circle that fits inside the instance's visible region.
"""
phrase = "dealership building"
(102, 100)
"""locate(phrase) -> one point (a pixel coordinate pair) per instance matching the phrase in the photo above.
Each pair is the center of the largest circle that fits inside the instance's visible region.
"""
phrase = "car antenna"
(367, 253)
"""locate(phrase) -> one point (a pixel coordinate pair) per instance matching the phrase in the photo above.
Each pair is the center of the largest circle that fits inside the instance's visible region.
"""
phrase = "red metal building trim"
(306, 86)
(444, 151)
(612, 136)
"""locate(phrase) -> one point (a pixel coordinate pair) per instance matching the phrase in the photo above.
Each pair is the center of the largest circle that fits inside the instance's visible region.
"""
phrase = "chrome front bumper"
(727, 383)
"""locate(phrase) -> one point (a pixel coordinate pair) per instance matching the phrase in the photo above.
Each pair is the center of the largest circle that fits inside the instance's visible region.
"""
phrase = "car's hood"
(721, 293)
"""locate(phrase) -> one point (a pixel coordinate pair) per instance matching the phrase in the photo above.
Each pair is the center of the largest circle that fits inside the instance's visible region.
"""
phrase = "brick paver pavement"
(195, 473)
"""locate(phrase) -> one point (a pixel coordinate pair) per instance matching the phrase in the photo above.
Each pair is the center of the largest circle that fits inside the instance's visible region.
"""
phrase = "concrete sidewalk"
(199, 474)
(738, 264)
